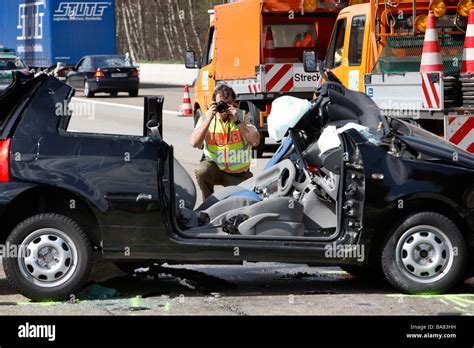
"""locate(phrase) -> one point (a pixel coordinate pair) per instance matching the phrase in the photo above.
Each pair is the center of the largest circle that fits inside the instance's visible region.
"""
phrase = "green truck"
(9, 63)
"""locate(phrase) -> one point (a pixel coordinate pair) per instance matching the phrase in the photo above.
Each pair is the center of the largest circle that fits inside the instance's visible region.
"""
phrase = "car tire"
(260, 149)
(197, 116)
(133, 94)
(254, 112)
(51, 242)
(425, 254)
(87, 90)
(113, 94)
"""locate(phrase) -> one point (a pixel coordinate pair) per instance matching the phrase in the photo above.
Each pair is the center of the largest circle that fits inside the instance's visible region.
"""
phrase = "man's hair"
(225, 92)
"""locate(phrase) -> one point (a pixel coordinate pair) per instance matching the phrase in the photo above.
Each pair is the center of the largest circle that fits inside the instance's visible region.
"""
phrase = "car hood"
(433, 146)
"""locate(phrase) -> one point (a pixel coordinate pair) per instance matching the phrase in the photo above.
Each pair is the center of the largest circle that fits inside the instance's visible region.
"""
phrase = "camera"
(222, 107)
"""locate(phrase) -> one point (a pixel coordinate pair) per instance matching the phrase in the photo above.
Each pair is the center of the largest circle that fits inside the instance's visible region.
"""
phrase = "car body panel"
(113, 85)
(109, 172)
(394, 183)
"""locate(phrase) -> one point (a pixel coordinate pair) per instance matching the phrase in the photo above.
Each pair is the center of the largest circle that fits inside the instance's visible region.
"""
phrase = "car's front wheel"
(53, 259)
(425, 254)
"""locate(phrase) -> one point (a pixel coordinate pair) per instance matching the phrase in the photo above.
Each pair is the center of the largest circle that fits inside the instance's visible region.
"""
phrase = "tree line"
(162, 30)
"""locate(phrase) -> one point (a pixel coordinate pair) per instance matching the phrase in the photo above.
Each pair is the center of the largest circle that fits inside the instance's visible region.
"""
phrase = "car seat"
(237, 210)
(228, 198)
(276, 216)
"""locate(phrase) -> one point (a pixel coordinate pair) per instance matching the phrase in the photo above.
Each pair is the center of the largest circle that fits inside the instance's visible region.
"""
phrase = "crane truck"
(256, 47)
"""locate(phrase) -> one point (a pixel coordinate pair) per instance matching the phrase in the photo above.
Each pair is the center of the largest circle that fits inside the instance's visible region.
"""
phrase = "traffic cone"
(269, 50)
(431, 58)
(467, 66)
(186, 108)
(308, 40)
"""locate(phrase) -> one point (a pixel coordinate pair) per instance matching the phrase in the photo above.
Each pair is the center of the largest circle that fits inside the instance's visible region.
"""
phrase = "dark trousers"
(208, 175)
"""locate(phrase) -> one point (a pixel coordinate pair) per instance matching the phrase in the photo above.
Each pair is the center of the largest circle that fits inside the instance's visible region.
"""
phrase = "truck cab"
(350, 51)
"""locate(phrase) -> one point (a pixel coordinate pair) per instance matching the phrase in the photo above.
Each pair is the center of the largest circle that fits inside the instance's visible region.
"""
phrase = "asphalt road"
(251, 289)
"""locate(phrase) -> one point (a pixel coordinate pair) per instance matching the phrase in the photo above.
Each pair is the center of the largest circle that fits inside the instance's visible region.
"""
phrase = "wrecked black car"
(389, 198)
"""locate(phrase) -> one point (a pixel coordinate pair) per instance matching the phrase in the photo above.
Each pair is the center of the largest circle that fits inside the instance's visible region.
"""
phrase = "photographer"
(228, 137)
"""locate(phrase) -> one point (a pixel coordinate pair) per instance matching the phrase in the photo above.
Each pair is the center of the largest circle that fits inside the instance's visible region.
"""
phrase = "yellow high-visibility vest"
(227, 147)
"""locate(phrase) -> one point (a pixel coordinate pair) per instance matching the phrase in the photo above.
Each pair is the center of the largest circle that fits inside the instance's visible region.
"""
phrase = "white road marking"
(125, 106)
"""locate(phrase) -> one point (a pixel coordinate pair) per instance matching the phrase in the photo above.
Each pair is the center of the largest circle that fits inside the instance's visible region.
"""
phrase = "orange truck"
(256, 47)
(377, 47)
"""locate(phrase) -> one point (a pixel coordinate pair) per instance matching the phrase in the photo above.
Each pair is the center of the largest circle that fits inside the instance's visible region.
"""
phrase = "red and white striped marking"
(468, 53)
(460, 131)
(431, 93)
(279, 77)
(254, 88)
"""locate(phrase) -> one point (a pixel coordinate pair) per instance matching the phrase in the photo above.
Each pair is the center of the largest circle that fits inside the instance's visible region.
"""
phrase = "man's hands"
(251, 135)
(212, 111)
(198, 136)
(232, 112)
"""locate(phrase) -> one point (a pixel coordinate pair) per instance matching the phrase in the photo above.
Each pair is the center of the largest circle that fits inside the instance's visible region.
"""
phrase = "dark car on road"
(108, 74)
(9, 64)
(401, 205)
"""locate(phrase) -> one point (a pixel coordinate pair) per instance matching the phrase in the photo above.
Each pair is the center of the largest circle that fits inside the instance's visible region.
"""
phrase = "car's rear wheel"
(133, 93)
(113, 94)
(425, 254)
(87, 90)
(53, 260)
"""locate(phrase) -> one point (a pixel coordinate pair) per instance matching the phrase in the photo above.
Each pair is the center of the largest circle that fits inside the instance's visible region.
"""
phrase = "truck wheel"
(254, 112)
(197, 116)
(87, 90)
(133, 94)
(425, 254)
(54, 258)
(260, 149)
